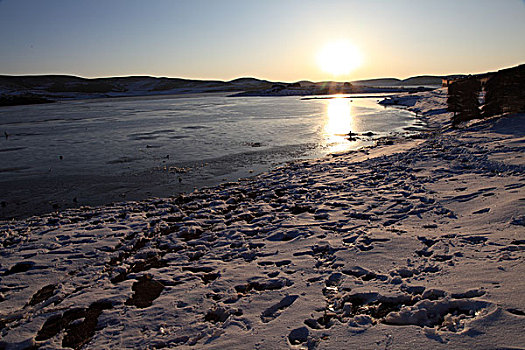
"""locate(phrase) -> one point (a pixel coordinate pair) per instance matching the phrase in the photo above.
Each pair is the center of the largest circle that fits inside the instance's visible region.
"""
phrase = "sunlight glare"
(338, 123)
(339, 58)
(339, 116)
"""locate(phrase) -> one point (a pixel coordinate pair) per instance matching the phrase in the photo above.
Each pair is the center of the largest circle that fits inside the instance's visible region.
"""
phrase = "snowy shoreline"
(46, 167)
(417, 244)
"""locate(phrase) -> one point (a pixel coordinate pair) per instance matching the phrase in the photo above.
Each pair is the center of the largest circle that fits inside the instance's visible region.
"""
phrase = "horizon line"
(250, 77)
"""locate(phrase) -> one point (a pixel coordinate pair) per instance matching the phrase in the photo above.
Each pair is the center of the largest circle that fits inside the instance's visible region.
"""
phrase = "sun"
(339, 58)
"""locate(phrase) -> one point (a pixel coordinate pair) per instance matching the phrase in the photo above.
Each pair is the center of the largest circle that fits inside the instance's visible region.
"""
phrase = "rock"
(20, 267)
(216, 315)
(298, 336)
(334, 279)
(43, 294)
(146, 290)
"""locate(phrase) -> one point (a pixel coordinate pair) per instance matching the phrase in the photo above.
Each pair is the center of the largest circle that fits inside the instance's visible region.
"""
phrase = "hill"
(377, 82)
(423, 80)
(34, 88)
(27, 89)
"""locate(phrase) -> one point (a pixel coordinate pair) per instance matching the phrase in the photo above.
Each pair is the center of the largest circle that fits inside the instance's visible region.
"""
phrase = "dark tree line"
(504, 93)
(463, 99)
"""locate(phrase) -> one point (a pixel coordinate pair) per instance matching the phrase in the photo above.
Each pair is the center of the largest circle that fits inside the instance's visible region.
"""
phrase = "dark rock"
(43, 294)
(433, 294)
(282, 263)
(208, 277)
(216, 315)
(298, 336)
(427, 241)
(334, 279)
(20, 267)
(146, 290)
(50, 328)
(79, 334)
(424, 252)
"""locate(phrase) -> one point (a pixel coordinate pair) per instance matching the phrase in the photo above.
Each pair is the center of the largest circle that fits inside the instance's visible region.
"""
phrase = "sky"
(278, 40)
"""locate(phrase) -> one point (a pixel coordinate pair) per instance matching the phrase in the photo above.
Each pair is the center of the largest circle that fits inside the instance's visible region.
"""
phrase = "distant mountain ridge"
(421, 80)
(27, 89)
(73, 84)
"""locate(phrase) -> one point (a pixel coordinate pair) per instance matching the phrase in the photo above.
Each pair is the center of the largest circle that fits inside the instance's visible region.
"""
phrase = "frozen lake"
(94, 152)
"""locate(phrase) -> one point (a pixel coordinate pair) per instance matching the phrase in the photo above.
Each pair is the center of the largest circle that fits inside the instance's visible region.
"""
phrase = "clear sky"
(271, 39)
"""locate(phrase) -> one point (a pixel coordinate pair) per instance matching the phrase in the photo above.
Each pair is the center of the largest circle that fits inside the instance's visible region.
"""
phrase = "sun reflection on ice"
(338, 124)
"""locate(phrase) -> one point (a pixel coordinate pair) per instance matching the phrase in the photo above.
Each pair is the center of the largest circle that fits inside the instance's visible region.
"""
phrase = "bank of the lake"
(95, 152)
(415, 244)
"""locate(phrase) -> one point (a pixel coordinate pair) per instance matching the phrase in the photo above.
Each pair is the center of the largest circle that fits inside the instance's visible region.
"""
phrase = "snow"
(416, 244)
